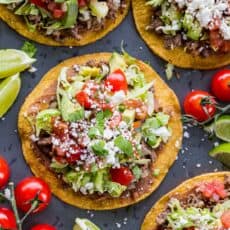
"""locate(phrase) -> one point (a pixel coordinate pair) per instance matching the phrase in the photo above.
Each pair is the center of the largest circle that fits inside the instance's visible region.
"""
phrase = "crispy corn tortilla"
(18, 23)
(178, 57)
(149, 221)
(167, 155)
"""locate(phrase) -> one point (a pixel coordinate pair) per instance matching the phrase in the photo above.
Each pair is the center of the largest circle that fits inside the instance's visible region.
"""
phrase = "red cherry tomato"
(121, 175)
(83, 99)
(117, 81)
(82, 3)
(200, 105)
(225, 219)
(4, 172)
(30, 188)
(220, 85)
(43, 227)
(7, 219)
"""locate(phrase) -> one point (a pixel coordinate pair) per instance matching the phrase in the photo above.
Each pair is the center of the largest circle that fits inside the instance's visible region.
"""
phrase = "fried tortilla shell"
(178, 57)
(166, 155)
(149, 221)
(18, 23)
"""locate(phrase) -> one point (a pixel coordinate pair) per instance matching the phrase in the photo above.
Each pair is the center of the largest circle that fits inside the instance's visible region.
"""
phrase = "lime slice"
(222, 127)
(84, 224)
(222, 153)
(13, 61)
(9, 89)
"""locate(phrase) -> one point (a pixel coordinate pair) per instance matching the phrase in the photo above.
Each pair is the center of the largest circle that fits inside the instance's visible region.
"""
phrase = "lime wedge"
(222, 127)
(222, 153)
(84, 224)
(9, 89)
(13, 61)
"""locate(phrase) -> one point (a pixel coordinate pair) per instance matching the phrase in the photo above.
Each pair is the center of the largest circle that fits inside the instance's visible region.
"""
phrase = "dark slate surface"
(192, 160)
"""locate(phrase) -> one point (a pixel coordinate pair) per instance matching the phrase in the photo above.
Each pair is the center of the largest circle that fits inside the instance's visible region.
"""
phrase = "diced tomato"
(39, 3)
(215, 39)
(52, 6)
(105, 106)
(83, 99)
(61, 129)
(59, 151)
(215, 25)
(82, 3)
(121, 175)
(225, 219)
(57, 13)
(117, 81)
(213, 189)
(133, 103)
(115, 120)
(225, 47)
(74, 155)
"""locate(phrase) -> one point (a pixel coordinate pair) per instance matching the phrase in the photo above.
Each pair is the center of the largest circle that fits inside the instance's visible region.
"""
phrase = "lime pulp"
(222, 127)
(84, 224)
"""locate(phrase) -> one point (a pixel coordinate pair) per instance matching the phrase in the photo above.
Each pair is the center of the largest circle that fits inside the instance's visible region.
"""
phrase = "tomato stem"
(34, 205)
(14, 205)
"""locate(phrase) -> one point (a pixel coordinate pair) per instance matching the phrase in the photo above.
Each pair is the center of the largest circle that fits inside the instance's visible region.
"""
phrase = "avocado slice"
(43, 120)
(117, 62)
(71, 111)
(222, 153)
(128, 116)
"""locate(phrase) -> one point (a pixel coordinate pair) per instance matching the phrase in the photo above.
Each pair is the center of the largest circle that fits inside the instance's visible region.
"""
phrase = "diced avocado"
(58, 167)
(115, 189)
(99, 181)
(162, 118)
(71, 14)
(87, 71)
(138, 92)
(117, 62)
(99, 148)
(192, 27)
(43, 120)
(170, 13)
(128, 116)
(99, 9)
(74, 178)
(137, 172)
(86, 179)
(71, 111)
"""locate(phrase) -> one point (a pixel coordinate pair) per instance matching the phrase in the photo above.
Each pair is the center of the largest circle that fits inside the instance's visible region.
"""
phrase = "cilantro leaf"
(98, 148)
(100, 119)
(29, 48)
(124, 145)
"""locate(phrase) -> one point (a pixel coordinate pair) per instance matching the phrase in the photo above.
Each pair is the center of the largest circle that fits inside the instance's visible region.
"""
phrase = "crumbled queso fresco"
(207, 12)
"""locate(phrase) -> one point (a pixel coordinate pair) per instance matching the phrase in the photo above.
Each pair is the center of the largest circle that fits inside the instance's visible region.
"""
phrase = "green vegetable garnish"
(124, 145)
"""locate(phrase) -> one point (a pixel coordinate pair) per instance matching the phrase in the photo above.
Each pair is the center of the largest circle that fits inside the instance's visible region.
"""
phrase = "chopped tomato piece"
(82, 3)
(116, 81)
(57, 13)
(121, 175)
(52, 6)
(214, 189)
(215, 25)
(74, 154)
(215, 39)
(133, 103)
(39, 3)
(225, 219)
(115, 120)
(225, 47)
(83, 99)
(61, 129)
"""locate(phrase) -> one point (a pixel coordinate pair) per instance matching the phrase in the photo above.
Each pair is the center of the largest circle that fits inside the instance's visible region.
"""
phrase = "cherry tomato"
(83, 99)
(82, 3)
(43, 227)
(117, 81)
(7, 219)
(4, 172)
(200, 105)
(220, 85)
(225, 219)
(121, 175)
(30, 188)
